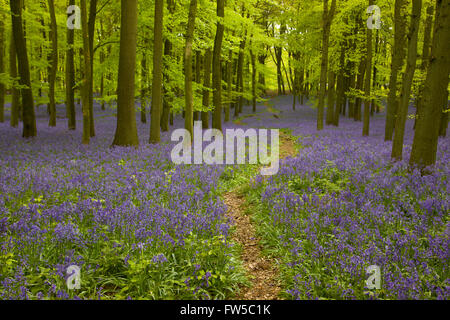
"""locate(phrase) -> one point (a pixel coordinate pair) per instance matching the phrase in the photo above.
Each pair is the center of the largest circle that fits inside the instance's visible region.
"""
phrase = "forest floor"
(261, 270)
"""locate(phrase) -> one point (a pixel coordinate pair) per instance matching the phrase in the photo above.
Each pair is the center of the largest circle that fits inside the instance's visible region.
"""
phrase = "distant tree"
(126, 131)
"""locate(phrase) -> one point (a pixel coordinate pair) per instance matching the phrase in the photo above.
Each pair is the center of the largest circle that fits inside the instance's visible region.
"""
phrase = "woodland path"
(261, 270)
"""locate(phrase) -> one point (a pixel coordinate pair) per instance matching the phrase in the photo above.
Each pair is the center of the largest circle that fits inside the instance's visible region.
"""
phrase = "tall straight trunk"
(15, 93)
(397, 146)
(28, 116)
(157, 99)
(262, 77)
(327, 19)
(143, 110)
(70, 77)
(167, 115)
(91, 31)
(367, 91)
(253, 59)
(425, 142)
(331, 97)
(425, 54)
(2, 68)
(217, 70)
(85, 87)
(240, 75)
(229, 86)
(373, 105)
(198, 78)
(188, 93)
(340, 87)
(126, 131)
(54, 63)
(398, 54)
(207, 85)
(359, 87)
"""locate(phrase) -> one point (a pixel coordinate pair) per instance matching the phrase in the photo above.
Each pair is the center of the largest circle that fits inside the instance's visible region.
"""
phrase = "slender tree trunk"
(207, 85)
(340, 99)
(397, 146)
(240, 75)
(188, 94)
(2, 68)
(398, 54)
(331, 97)
(91, 30)
(253, 59)
(28, 116)
(126, 131)
(85, 87)
(157, 99)
(327, 19)
(70, 77)
(166, 115)
(144, 84)
(425, 142)
(53, 64)
(217, 70)
(198, 78)
(15, 93)
(367, 84)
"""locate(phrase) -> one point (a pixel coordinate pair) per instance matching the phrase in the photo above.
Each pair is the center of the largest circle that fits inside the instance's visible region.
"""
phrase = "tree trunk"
(28, 116)
(327, 19)
(398, 54)
(397, 146)
(166, 115)
(425, 142)
(217, 70)
(253, 59)
(15, 93)
(53, 63)
(157, 98)
(367, 91)
(2, 68)
(91, 30)
(425, 54)
(85, 89)
(188, 94)
(331, 97)
(70, 77)
(144, 84)
(126, 131)
(207, 85)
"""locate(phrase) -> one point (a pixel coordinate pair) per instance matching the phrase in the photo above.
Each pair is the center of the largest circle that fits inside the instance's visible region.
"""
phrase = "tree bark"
(327, 19)
(53, 63)
(217, 70)
(188, 94)
(155, 136)
(367, 84)
(425, 142)
(85, 87)
(70, 77)
(28, 116)
(207, 85)
(126, 131)
(398, 55)
(2, 68)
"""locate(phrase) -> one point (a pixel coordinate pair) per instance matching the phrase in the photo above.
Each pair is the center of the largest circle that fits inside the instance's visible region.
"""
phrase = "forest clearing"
(117, 181)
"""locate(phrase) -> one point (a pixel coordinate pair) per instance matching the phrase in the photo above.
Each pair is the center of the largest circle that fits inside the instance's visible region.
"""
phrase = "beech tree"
(126, 131)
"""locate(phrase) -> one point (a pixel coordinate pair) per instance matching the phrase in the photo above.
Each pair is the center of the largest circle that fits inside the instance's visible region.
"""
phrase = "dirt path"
(261, 271)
